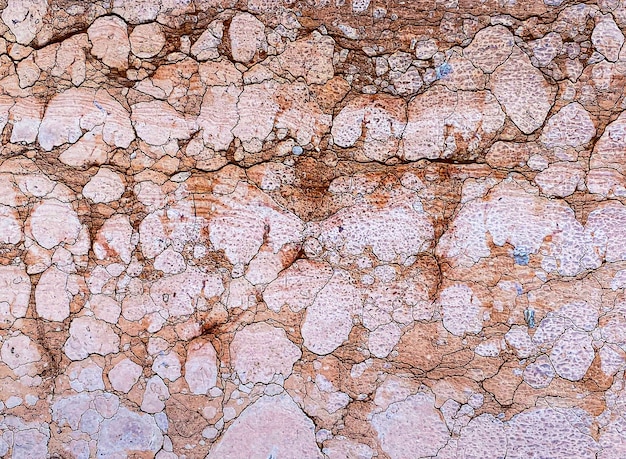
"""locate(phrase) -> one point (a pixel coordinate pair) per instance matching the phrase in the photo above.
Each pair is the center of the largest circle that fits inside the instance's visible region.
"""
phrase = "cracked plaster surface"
(327, 229)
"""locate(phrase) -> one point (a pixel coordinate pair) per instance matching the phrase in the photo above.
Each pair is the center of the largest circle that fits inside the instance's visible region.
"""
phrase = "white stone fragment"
(24, 18)
(75, 110)
(114, 238)
(128, 432)
(607, 37)
(54, 222)
(219, 115)
(52, 298)
(106, 186)
(19, 351)
(442, 122)
(10, 226)
(124, 375)
(109, 37)
(490, 47)
(297, 286)
(170, 262)
(157, 122)
(328, 320)
(260, 351)
(105, 308)
(310, 57)
(484, 436)
(540, 373)
(90, 336)
(201, 367)
(572, 355)
(206, 45)
(570, 126)
(461, 310)
(167, 366)
(563, 432)
(147, 40)
(270, 427)
(15, 290)
(247, 35)
(382, 340)
(411, 428)
(85, 375)
(27, 114)
(523, 91)
(155, 396)
(13, 401)
(179, 293)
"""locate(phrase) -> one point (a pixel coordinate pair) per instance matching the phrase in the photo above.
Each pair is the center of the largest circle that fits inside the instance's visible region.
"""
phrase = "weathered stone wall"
(312, 229)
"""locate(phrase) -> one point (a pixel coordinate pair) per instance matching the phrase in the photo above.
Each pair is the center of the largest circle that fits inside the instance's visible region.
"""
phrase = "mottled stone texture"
(326, 229)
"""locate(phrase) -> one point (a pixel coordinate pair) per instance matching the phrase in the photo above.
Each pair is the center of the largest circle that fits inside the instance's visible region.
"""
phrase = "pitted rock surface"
(325, 229)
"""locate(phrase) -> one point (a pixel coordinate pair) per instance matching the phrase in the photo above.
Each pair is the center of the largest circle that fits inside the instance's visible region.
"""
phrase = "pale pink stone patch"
(607, 37)
(52, 298)
(560, 179)
(27, 114)
(442, 123)
(558, 433)
(78, 109)
(247, 35)
(382, 340)
(54, 222)
(109, 37)
(383, 119)
(10, 226)
(523, 91)
(310, 57)
(206, 45)
(219, 115)
(90, 336)
(114, 239)
(201, 366)
(484, 436)
(157, 122)
(260, 351)
(170, 262)
(105, 186)
(328, 320)
(167, 366)
(15, 290)
(297, 286)
(24, 18)
(394, 232)
(411, 428)
(490, 47)
(128, 432)
(461, 310)
(270, 427)
(179, 293)
(124, 375)
(105, 308)
(570, 126)
(18, 352)
(146, 40)
(155, 395)
(572, 355)
(540, 373)
(85, 375)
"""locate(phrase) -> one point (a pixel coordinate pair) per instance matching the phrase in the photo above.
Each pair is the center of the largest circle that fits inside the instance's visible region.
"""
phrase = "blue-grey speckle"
(443, 70)
(297, 150)
(529, 317)
(521, 256)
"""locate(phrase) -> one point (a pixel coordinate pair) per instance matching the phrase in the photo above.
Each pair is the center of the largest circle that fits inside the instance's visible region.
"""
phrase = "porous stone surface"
(276, 229)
